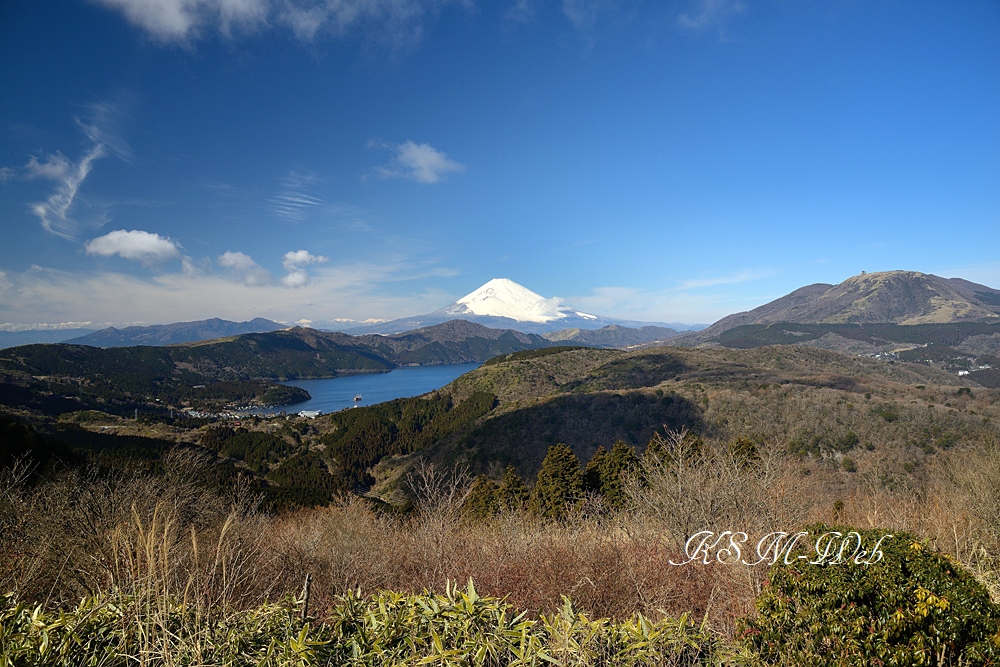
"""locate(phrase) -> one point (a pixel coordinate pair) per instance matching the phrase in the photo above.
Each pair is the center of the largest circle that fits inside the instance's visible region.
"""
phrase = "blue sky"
(167, 160)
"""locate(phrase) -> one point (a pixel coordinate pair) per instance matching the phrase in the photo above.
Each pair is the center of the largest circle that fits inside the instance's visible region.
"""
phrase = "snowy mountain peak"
(502, 297)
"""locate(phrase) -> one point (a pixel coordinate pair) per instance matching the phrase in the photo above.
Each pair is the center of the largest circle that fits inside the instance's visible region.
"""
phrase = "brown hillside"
(899, 297)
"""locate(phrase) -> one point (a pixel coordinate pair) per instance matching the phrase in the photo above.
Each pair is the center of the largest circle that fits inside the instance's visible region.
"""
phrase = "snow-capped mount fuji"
(502, 297)
(502, 304)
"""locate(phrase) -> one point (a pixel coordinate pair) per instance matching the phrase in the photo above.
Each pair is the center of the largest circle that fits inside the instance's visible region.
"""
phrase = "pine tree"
(559, 483)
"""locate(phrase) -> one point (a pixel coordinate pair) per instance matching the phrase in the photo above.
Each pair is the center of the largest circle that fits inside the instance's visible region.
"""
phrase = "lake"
(332, 394)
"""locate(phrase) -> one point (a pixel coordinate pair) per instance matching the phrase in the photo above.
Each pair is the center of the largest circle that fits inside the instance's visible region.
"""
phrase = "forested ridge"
(529, 475)
(235, 371)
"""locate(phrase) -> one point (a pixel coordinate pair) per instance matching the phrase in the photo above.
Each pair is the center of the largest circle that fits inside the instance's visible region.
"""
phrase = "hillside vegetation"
(896, 297)
(544, 475)
(235, 371)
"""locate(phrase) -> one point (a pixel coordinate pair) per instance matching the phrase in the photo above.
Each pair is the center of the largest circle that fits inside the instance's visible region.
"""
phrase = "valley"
(585, 455)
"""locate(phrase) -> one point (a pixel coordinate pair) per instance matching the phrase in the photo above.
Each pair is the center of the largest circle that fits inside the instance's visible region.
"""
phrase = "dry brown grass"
(168, 536)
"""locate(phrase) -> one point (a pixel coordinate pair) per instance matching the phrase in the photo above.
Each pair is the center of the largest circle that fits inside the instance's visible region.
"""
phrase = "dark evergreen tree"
(606, 472)
(512, 494)
(559, 484)
(592, 474)
(617, 465)
(483, 499)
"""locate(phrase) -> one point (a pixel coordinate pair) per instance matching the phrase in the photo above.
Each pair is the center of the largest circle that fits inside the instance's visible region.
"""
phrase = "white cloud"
(295, 278)
(135, 244)
(418, 162)
(710, 13)
(244, 269)
(181, 21)
(294, 261)
(296, 258)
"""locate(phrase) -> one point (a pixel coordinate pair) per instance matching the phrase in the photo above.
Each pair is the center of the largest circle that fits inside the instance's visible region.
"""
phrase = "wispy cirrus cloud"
(690, 300)
(417, 162)
(585, 14)
(710, 13)
(179, 20)
(183, 21)
(728, 279)
(520, 11)
(54, 213)
(645, 305)
(101, 125)
(294, 201)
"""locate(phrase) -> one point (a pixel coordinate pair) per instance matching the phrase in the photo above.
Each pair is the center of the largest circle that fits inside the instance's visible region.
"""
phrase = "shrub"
(458, 628)
(912, 607)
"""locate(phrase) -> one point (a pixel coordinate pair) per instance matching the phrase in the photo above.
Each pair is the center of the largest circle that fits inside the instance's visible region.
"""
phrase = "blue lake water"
(332, 394)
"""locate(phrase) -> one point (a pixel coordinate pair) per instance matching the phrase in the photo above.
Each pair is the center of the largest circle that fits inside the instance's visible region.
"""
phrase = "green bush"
(456, 629)
(912, 607)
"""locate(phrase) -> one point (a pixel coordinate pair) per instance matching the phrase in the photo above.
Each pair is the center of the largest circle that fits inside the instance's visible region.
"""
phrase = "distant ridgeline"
(241, 370)
(512, 412)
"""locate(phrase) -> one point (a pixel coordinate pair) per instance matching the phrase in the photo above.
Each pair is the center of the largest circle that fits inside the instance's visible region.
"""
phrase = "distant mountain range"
(502, 304)
(275, 355)
(903, 298)
(247, 366)
(29, 336)
(172, 334)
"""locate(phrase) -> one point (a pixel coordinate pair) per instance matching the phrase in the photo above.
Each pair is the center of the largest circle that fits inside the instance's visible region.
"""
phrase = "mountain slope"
(897, 297)
(612, 336)
(452, 342)
(170, 334)
(788, 394)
